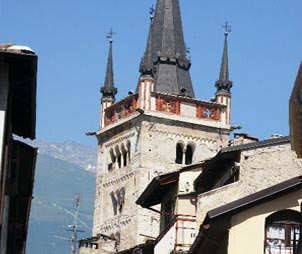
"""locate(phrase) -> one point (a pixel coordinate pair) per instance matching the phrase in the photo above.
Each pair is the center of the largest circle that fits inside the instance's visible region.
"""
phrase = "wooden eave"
(160, 185)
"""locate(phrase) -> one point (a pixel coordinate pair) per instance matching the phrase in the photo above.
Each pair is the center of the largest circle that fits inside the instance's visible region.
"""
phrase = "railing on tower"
(121, 109)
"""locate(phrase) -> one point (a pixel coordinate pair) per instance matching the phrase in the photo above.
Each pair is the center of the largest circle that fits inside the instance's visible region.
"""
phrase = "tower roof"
(224, 84)
(146, 66)
(167, 49)
(108, 90)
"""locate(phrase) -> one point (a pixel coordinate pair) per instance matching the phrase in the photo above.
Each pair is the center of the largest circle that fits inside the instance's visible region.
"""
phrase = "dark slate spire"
(146, 66)
(170, 64)
(108, 90)
(224, 84)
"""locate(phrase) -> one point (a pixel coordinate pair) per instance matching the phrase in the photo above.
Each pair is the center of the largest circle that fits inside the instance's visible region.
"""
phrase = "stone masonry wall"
(152, 152)
(259, 168)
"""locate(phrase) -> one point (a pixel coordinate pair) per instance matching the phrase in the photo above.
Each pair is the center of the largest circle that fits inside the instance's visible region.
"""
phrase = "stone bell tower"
(158, 129)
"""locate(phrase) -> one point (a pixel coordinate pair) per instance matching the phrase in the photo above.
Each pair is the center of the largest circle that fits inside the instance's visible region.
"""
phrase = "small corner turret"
(108, 90)
(146, 65)
(223, 84)
(146, 80)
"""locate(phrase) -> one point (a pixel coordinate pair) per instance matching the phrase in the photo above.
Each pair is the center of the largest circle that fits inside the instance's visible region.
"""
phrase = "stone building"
(18, 72)
(238, 171)
(156, 130)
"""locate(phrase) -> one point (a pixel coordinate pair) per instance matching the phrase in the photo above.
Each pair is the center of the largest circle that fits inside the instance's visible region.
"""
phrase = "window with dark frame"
(282, 233)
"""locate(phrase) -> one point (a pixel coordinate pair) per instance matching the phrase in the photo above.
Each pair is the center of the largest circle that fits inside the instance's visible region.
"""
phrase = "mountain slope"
(56, 183)
(70, 151)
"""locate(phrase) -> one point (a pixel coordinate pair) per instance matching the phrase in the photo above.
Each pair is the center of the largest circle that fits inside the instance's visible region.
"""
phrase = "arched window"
(118, 157)
(124, 155)
(112, 159)
(128, 150)
(189, 155)
(282, 232)
(179, 153)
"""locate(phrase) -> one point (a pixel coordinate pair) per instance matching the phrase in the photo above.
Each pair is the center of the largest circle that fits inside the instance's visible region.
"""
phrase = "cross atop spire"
(110, 35)
(224, 84)
(166, 50)
(108, 90)
(227, 28)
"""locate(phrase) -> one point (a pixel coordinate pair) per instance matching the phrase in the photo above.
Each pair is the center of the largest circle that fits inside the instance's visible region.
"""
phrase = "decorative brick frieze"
(168, 105)
(121, 110)
(208, 112)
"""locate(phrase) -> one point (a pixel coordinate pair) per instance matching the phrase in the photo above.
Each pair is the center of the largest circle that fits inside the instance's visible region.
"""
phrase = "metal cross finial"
(151, 12)
(227, 28)
(110, 35)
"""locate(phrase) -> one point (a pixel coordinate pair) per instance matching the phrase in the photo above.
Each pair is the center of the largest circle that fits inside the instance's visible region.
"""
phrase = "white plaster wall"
(167, 243)
(186, 180)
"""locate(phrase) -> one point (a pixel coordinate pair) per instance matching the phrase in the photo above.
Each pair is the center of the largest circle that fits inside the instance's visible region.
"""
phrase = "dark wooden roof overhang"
(215, 170)
(225, 157)
(157, 189)
(22, 79)
(295, 114)
(160, 185)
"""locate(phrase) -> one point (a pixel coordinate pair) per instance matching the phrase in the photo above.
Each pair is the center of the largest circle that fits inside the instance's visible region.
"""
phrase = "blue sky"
(265, 50)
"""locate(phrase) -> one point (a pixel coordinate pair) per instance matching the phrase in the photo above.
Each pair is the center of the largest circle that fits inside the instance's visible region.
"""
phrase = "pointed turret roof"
(146, 66)
(224, 84)
(108, 90)
(168, 51)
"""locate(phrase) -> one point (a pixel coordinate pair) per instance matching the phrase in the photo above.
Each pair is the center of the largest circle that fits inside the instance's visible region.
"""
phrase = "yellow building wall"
(247, 231)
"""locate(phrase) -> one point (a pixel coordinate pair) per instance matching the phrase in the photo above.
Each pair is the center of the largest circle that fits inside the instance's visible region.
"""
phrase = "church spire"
(146, 66)
(108, 90)
(224, 84)
(168, 54)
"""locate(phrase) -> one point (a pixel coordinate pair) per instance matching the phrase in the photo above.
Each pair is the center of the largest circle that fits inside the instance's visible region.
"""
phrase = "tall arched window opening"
(112, 160)
(179, 154)
(118, 157)
(124, 155)
(128, 150)
(189, 155)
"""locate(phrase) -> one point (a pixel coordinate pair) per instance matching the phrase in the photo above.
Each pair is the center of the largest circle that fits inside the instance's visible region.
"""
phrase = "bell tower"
(158, 129)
